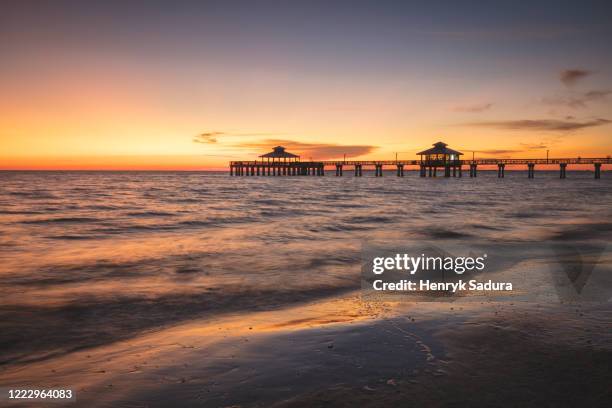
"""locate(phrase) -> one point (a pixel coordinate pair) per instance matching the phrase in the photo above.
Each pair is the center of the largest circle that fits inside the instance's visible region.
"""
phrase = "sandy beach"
(342, 352)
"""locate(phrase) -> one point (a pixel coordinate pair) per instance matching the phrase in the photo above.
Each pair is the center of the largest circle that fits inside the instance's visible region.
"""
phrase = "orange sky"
(75, 97)
(98, 121)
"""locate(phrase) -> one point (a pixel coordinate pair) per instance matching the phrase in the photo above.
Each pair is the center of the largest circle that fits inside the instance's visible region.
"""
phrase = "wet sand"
(512, 355)
(343, 352)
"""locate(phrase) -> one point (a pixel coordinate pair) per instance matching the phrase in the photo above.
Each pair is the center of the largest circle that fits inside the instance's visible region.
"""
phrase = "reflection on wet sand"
(196, 352)
(341, 350)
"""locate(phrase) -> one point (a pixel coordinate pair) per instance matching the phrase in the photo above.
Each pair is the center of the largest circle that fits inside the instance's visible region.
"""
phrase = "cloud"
(473, 108)
(570, 76)
(498, 151)
(527, 32)
(207, 137)
(534, 146)
(213, 137)
(319, 151)
(597, 95)
(523, 147)
(542, 124)
(579, 100)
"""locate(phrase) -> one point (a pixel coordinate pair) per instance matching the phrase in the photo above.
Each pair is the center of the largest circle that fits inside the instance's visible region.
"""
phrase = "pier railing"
(439, 163)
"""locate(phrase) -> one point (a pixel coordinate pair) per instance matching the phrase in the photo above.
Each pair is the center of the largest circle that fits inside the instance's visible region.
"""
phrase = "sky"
(193, 85)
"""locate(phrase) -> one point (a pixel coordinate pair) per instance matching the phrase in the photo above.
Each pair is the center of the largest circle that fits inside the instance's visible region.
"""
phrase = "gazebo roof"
(279, 152)
(439, 148)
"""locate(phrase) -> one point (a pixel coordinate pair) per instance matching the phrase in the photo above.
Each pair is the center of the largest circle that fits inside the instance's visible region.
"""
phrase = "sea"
(89, 258)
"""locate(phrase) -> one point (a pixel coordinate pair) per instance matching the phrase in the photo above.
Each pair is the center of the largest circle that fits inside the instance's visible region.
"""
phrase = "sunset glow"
(196, 86)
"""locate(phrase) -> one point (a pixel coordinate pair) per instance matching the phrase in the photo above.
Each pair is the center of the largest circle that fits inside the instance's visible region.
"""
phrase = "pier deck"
(427, 167)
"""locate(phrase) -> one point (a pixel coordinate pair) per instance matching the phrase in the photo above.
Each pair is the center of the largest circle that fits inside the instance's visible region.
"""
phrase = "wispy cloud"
(213, 137)
(473, 108)
(207, 137)
(315, 150)
(534, 146)
(524, 147)
(542, 124)
(519, 33)
(498, 151)
(578, 100)
(571, 76)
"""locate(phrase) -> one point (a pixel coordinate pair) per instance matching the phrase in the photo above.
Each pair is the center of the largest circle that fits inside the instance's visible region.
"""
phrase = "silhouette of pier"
(437, 161)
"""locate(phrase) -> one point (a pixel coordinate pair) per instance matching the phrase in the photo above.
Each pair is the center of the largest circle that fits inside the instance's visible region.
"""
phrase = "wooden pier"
(438, 163)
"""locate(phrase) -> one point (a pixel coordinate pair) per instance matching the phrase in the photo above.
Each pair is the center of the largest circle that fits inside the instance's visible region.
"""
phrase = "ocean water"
(88, 258)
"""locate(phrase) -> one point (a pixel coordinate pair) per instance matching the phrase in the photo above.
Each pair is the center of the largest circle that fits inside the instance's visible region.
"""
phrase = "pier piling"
(400, 170)
(473, 170)
(597, 170)
(378, 170)
(530, 170)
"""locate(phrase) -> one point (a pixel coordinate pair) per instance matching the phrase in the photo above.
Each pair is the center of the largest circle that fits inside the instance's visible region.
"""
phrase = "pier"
(434, 162)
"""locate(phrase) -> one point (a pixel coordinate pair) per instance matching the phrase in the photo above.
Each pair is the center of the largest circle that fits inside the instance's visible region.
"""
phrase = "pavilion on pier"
(279, 154)
(440, 155)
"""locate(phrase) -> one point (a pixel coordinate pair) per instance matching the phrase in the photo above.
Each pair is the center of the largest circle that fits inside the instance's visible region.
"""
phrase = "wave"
(443, 233)
(25, 334)
(488, 227)
(184, 200)
(123, 229)
(114, 229)
(334, 260)
(61, 220)
(342, 227)
(586, 231)
(32, 194)
(150, 214)
(100, 207)
(21, 212)
(73, 237)
(365, 219)
(218, 222)
(525, 214)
